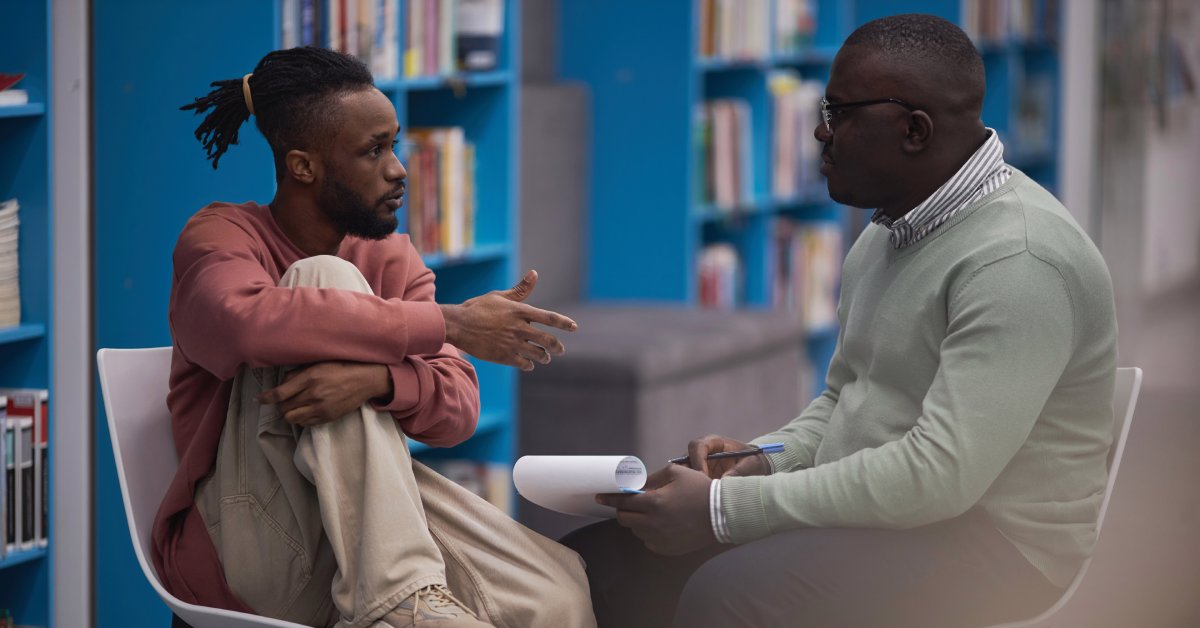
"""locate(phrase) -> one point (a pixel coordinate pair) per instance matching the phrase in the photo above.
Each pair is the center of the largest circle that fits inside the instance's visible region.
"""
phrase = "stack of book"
(10, 289)
(725, 161)
(720, 276)
(24, 507)
(796, 155)
(735, 29)
(441, 190)
(806, 269)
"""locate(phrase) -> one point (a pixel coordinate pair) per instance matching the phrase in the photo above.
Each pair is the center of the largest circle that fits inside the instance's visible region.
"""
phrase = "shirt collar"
(952, 196)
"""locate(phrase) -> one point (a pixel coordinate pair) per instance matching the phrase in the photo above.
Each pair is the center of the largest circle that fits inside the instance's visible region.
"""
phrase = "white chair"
(1125, 396)
(134, 385)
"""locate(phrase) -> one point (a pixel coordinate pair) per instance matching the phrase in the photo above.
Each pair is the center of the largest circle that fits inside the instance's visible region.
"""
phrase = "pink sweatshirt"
(226, 311)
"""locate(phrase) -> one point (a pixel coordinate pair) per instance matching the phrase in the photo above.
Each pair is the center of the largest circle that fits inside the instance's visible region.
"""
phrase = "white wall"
(1171, 250)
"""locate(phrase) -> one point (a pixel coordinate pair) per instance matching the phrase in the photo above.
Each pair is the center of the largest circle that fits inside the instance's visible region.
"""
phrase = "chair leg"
(176, 622)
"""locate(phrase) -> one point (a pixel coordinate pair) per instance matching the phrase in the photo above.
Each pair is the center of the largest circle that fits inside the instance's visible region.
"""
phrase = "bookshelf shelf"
(816, 56)
(133, 245)
(479, 254)
(25, 556)
(466, 79)
(29, 331)
(23, 111)
(717, 64)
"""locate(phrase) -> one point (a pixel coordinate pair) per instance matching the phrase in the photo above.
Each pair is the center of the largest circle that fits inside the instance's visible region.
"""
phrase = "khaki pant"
(337, 524)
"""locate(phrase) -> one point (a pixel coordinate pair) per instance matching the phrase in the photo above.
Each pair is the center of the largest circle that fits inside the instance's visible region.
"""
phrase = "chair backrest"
(134, 384)
(1125, 397)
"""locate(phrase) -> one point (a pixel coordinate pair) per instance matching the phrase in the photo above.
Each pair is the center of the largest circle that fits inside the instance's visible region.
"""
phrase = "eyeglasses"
(827, 109)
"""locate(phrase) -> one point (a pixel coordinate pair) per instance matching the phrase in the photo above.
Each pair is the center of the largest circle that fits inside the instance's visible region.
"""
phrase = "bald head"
(931, 59)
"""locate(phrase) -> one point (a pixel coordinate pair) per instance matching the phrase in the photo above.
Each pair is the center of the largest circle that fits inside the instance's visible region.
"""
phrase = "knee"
(325, 271)
(720, 593)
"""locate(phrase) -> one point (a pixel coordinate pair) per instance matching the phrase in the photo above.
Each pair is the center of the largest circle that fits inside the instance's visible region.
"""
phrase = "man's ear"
(919, 133)
(301, 165)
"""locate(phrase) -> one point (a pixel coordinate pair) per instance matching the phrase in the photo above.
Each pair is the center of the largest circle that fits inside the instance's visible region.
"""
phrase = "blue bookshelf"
(25, 350)
(151, 176)
(645, 226)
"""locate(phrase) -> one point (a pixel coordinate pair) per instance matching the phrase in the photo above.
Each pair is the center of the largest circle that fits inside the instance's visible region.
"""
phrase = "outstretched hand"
(498, 327)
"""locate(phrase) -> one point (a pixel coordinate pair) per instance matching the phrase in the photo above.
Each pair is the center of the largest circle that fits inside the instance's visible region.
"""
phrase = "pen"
(767, 448)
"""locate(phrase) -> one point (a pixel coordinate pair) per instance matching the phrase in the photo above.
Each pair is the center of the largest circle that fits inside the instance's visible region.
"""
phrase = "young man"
(951, 472)
(307, 345)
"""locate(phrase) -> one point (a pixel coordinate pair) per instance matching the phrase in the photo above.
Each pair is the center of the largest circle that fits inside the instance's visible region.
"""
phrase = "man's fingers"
(533, 353)
(543, 339)
(549, 319)
(524, 288)
(698, 454)
(288, 389)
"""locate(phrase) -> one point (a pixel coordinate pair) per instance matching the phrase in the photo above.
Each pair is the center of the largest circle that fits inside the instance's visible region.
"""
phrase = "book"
(569, 484)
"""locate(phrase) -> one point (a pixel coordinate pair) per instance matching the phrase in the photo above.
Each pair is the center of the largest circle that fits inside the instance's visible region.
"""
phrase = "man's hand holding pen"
(672, 516)
(719, 456)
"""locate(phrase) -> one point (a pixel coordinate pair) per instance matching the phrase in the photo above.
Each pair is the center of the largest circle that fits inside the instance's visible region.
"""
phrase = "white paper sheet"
(569, 484)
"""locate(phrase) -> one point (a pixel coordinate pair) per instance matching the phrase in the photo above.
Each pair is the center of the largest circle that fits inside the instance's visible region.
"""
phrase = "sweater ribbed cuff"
(426, 327)
(742, 504)
(791, 458)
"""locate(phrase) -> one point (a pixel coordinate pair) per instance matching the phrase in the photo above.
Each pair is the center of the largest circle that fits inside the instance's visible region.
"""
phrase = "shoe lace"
(440, 599)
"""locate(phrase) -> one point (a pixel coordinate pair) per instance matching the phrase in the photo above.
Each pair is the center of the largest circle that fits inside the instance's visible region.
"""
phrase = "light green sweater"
(973, 367)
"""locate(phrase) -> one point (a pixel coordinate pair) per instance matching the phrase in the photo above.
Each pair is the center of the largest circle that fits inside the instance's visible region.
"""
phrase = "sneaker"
(431, 606)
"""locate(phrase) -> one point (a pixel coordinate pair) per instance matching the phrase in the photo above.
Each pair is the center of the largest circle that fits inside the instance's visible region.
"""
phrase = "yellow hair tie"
(246, 93)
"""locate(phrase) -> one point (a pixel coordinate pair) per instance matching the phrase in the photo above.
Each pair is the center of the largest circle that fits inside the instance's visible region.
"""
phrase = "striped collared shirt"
(983, 173)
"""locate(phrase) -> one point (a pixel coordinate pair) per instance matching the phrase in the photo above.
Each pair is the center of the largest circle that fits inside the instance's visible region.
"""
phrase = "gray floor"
(1146, 571)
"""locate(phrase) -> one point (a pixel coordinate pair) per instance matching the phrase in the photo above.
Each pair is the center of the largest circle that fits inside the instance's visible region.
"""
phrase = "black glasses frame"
(827, 108)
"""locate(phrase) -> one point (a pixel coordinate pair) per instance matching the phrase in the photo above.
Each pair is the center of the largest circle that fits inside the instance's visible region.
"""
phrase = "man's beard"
(352, 215)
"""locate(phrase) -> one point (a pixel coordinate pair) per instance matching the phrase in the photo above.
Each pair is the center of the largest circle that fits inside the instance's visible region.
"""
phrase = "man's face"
(363, 186)
(861, 157)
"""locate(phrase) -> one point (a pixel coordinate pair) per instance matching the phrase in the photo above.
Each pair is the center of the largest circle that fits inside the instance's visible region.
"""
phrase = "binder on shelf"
(27, 409)
(480, 29)
(6, 455)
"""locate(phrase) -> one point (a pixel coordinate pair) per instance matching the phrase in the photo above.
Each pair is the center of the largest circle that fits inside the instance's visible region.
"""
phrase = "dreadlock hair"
(929, 40)
(291, 90)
